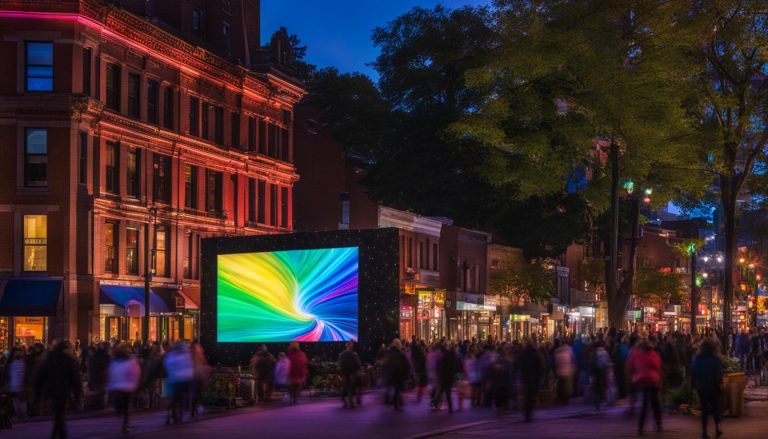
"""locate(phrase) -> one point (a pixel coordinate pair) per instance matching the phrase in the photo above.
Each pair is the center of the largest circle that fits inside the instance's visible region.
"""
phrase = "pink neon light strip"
(93, 24)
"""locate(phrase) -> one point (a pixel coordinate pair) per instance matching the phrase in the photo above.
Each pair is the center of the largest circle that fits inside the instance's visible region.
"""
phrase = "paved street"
(325, 419)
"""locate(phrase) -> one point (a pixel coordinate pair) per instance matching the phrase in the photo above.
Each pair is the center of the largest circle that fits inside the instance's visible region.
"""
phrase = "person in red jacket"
(297, 373)
(644, 366)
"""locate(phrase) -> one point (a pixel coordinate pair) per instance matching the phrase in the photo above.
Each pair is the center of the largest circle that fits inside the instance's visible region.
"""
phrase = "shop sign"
(425, 299)
(587, 311)
(519, 317)
(406, 313)
(423, 314)
(437, 313)
(491, 301)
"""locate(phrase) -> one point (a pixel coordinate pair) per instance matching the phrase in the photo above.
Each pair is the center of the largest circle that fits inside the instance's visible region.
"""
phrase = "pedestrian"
(282, 368)
(15, 376)
(644, 365)
(600, 367)
(530, 365)
(98, 363)
(201, 371)
(124, 376)
(297, 373)
(396, 371)
(707, 379)
(263, 367)
(57, 380)
(349, 364)
(446, 374)
(179, 366)
(419, 362)
(565, 368)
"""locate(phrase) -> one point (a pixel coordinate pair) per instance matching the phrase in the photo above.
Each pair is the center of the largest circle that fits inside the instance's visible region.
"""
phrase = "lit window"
(161, 238)
(132, 251)
(110, 247)
(39, 66)
(35, 242)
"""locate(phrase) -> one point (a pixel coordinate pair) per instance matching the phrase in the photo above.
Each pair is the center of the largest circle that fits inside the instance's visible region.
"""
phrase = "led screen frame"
(378, 290)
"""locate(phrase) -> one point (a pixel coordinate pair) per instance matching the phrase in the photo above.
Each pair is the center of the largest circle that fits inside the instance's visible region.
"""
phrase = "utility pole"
(147, 275)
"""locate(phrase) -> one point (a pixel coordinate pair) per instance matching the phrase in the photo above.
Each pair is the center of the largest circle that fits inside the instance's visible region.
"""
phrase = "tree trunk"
(728, 195)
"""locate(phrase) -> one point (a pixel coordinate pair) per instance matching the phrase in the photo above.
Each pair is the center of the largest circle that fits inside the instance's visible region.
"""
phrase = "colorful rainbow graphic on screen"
(281, 296)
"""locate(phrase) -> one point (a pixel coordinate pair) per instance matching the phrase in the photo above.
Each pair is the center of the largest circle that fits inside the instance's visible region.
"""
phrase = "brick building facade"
(154, 119)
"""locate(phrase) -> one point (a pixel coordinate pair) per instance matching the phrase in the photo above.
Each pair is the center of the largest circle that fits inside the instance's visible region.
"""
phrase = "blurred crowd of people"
(602, 368)
(65, 376)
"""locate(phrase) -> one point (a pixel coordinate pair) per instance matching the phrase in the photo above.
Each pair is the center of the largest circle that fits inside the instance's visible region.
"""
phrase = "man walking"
(707, 377)
(59, 378)
(349, 365)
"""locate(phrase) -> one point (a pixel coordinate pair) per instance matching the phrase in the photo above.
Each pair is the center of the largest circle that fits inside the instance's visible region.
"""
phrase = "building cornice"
(142, 36)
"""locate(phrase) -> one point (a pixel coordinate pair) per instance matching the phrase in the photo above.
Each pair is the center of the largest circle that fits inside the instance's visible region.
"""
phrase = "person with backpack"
(707, 374)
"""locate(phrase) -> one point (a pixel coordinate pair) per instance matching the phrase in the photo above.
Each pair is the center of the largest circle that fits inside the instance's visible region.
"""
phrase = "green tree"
(534, 282)
(581, 84)
(732, 106)
(659, 288)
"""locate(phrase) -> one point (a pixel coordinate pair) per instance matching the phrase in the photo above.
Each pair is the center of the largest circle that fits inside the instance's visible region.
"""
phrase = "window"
(36, 157)
(252, 200)
(161, 244)
(132, 251)
(284, 207)
(262, 136)
(113, 168)
(410, 252)
(39, 67)
(435, 258)
(35, 242)
(421, 254)
(113, 87)
(226, 32)
(87, 57)
(132, 176)
(168, 110)
(82, 162)
(218, 125)
(273, 205)
(110, 247)
(190, 187)
(272, 132)
(134, 82)
(194, 116)
(262, 202)
(251, 134)
(161, 173)
(189, 259)
(198, 22)
(284, 144)
(153, 99)
(213, 192)
(235, 130)
(206, 116)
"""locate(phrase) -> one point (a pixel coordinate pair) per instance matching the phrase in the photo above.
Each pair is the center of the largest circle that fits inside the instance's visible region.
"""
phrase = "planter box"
(733, 393)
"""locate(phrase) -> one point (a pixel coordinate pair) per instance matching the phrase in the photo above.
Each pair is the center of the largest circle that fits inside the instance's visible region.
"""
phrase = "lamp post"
(694, 302)
(147, 273)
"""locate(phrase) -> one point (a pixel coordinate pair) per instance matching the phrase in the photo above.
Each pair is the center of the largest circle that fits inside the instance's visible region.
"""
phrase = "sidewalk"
(610, 423)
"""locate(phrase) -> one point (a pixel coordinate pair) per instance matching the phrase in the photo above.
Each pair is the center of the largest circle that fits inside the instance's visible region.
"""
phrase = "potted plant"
(734, 383)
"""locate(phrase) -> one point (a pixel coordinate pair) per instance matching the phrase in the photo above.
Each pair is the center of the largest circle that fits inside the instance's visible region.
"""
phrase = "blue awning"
(122, 295)
(30, 297)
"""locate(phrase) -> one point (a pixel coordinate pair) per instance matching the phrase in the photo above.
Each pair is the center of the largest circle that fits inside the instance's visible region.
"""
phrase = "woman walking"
(124, 376)
(297, 372)
(644, 365)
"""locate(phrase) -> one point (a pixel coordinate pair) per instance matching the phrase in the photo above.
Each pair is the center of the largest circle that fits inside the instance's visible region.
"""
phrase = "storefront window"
(29, 330)
(35, 242)
(4, 344)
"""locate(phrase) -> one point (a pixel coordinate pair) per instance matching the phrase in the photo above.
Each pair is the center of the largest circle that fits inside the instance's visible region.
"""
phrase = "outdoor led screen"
(306, 295)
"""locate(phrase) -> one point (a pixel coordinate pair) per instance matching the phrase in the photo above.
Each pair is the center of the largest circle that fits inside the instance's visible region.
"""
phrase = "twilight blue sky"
(338, 32)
